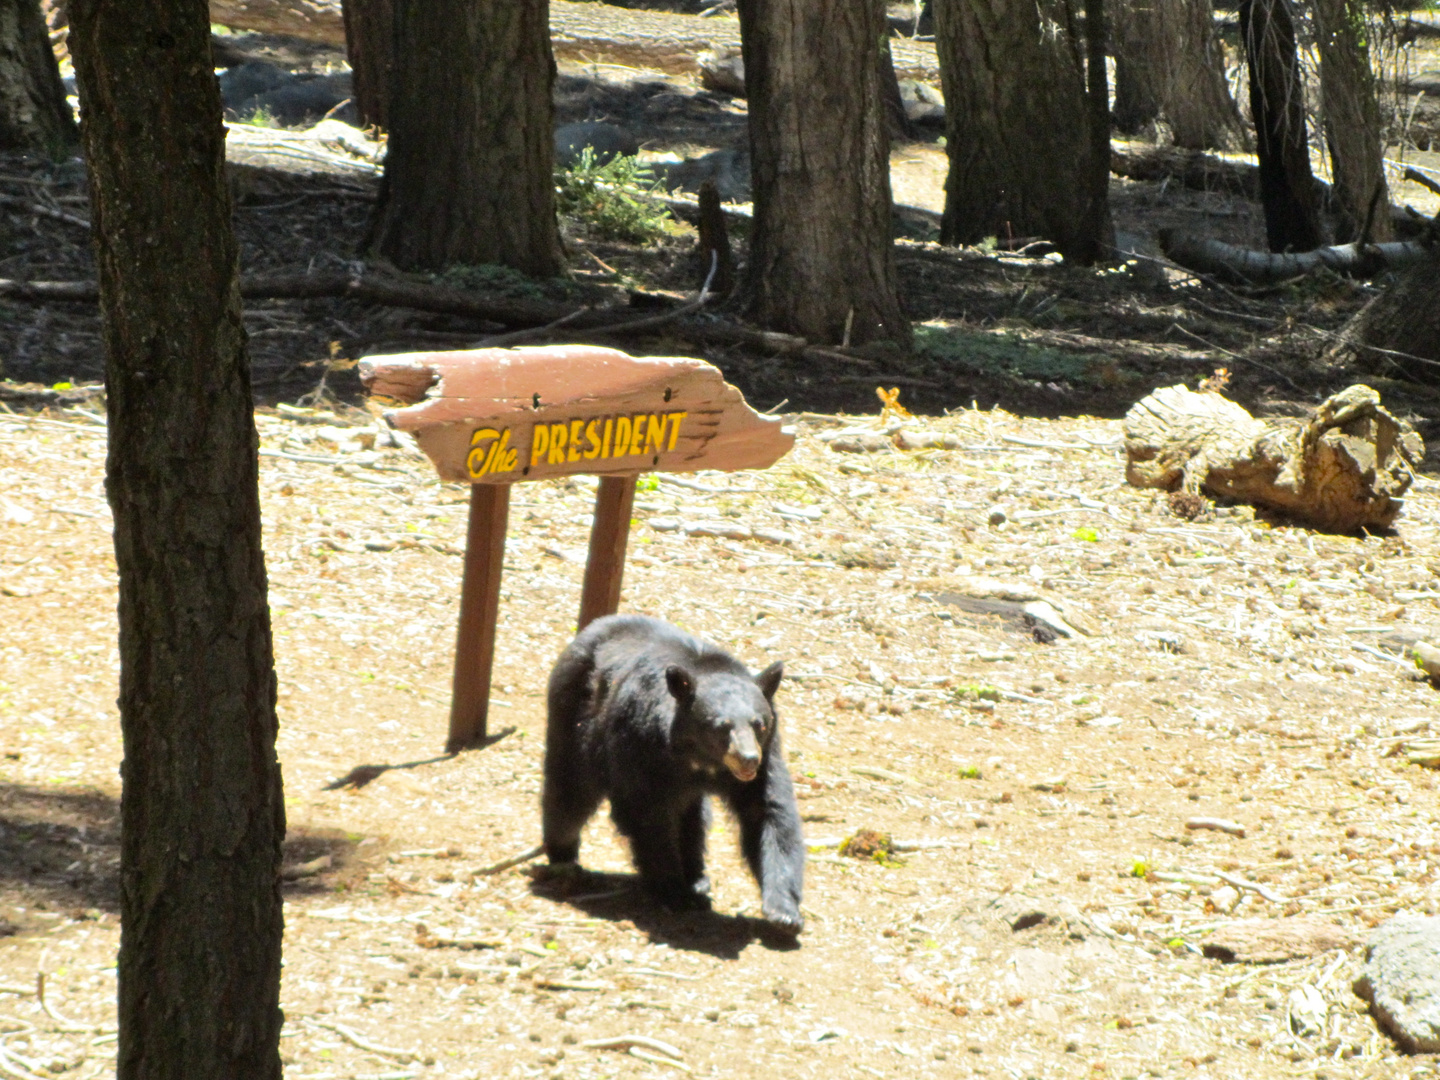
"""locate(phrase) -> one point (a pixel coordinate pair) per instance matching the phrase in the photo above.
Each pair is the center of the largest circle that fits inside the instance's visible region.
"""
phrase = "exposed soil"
(1020, 895)
(1032, 903)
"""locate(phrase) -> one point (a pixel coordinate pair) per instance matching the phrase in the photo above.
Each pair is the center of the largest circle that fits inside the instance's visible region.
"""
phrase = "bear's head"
(725, 717)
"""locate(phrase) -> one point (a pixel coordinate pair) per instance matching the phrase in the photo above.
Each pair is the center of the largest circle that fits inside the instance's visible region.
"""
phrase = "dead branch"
(1244, 266)
(1344, 470)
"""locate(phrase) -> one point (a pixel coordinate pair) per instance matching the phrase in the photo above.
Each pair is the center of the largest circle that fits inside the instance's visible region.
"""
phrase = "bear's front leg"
(655, 835)
(771, 837)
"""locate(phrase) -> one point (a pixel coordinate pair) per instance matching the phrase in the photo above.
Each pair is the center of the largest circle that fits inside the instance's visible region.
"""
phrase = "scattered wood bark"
(312, 20)
(1245, 266)
(1344, 470)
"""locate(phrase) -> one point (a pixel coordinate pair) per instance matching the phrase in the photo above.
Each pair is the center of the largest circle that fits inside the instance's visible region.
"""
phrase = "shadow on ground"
(620, 898)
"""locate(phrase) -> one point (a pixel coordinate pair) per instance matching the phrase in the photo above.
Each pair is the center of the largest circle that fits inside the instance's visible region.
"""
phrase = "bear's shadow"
(621, 897)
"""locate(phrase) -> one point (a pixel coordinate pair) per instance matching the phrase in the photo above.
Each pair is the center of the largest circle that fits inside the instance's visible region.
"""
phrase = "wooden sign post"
(496, 417)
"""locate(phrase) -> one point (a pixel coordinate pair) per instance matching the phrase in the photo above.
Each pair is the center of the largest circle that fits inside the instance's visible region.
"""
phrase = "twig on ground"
(66, 1025)
(514, 860)
(1234, 828)
(625, 1042)
(1254, 886)
(356, 1039)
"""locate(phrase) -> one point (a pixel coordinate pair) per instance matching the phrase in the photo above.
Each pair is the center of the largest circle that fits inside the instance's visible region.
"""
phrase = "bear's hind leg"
(565, 808)
(654, 835)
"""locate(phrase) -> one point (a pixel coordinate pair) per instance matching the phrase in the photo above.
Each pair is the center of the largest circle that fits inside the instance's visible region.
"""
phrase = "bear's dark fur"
(655, 719)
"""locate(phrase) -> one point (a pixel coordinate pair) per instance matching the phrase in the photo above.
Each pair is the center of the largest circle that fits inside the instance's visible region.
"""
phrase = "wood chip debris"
(1234, 828)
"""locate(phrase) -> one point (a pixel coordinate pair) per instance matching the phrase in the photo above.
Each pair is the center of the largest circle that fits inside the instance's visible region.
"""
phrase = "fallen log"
(1245, 266)
(556, 320)
(587, 33)
(1344, 470)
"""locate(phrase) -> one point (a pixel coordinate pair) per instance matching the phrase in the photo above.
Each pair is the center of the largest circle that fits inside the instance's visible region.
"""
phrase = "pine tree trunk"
(1198, 103)
(370, 46)
(1352, 122)
(468, 174)
(1277, 103)
(822, 260)
(1141, 51)
(1019, 126)
(202, 815)
(34, 114)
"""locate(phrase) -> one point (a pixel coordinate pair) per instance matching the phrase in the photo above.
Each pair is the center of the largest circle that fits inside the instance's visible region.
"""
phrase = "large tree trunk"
(202, 815)
(1399, 331)
(822, 262)
(370, 48)
(1019, 128)
(468, 174)
(1168, 62)
(1352, 122)
(34, 114)
(1342, 471)
(1277, 104)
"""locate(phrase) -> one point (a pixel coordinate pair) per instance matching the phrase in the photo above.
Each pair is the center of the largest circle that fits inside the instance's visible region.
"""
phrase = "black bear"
(655, 719)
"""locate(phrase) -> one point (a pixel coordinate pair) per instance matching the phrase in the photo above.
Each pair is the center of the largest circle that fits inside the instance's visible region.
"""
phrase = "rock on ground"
(1401, 981)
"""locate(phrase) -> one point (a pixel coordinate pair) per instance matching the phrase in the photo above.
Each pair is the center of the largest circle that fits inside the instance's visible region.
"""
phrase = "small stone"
(664, 524)
(997, 516)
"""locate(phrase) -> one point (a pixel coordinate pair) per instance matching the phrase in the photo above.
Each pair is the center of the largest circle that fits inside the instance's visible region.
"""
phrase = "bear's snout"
(743, 756)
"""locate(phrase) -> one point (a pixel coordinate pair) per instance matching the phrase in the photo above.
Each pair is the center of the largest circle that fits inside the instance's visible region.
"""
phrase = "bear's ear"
(769, 679)
(682, 686)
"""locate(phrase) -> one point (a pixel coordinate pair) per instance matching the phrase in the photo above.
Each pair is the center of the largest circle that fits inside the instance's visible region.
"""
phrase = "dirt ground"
(1042, 909)
(1228, 669)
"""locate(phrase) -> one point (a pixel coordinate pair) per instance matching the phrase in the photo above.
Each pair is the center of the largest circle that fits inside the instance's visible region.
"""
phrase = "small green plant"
(1086, 533)
(261, 117)
(1140, 868)
(974, 691)
(648, 483)
(490, 278)
(610, 200)
(971, 772)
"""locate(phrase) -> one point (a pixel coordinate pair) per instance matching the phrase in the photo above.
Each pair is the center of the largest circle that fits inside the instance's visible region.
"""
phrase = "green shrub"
(612, 200)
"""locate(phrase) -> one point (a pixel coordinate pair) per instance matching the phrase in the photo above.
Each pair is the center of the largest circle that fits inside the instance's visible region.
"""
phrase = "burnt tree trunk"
(34, 114)
(468, 174)
(1018, 124)
(1352, 122)
(1277, 104)
(822, 261)
(202, 817)
(370, 48)
(1398, 332)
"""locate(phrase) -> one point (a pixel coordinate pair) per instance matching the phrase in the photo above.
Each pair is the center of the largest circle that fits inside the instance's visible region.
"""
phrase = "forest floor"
(1048, 913)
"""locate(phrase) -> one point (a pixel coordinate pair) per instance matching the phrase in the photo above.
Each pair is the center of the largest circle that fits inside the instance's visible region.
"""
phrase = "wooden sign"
(499, 416)
(495, 417)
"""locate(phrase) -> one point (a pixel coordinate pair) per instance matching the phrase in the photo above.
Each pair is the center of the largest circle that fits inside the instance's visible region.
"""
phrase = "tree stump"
(1343, 470)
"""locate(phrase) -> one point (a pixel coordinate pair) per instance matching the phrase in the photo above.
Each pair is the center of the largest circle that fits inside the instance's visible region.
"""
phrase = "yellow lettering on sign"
(637, 434)
(605, 446)
(490, 452)
(592, 440)
(557, 444)
(622, 436)
(675, 418)
(655, 433)
(539, 443)
(575, 426)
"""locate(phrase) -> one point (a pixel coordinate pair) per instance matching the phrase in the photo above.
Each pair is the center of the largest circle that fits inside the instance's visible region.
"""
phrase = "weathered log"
(1245, 266)
(1342, 471)
(313, 20)
(578, 31)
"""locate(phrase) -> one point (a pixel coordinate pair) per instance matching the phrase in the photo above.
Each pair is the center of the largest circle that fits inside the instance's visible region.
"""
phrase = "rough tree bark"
(1168, 62)
(1342, 471)
(202, 816)
(34, 114)
(1352, 122)
(1399, 330)
(1016, 108)
(370, 48)
(468, 175)
(822, 261)
(1277, 104)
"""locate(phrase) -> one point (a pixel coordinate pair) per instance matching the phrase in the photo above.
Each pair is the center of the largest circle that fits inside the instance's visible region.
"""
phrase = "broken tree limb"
(1343, 470)
(1245, 266)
